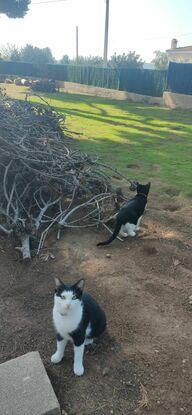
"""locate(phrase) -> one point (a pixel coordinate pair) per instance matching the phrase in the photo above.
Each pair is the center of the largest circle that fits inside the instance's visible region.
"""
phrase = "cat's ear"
(80, 284)
(133, 186)
(58, 282)
(149, 184)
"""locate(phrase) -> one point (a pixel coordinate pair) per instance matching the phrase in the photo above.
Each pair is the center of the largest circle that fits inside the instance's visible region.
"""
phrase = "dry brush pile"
(45, 182)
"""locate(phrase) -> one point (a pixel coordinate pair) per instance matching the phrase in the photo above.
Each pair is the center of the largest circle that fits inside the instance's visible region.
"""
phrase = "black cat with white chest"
(78, 318)
(129, 216)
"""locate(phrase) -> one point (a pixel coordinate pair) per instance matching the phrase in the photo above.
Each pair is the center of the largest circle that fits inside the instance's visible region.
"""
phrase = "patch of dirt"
(171, 191)
(143, 364)
(150, 250)
(133, 166)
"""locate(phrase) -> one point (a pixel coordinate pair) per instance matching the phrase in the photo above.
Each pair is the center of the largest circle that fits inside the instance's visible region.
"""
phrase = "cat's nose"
(67, 306)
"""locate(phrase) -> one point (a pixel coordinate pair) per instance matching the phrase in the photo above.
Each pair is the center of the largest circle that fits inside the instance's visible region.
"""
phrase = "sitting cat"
(130, 214)
(77, 317)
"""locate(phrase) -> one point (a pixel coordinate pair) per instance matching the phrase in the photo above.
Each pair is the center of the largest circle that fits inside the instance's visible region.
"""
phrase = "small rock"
(105, 371)
(52, 256)
(108, 255)
(129, 383)
(176, 262)
(190, 299)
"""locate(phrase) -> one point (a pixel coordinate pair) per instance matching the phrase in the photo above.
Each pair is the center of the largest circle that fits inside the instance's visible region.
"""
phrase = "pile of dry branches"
(44, 182)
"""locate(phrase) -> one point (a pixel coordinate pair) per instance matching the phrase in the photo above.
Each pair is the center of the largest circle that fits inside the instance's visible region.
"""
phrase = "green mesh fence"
(89, 75)
(140, 81)
(143, 81)
(180, 78)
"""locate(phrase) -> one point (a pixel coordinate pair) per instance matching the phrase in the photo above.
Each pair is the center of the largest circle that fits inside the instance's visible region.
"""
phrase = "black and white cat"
(77, 317)
(129, 217)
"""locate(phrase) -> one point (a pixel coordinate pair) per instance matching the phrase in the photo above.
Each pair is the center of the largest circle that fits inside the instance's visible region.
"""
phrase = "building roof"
(182, 49)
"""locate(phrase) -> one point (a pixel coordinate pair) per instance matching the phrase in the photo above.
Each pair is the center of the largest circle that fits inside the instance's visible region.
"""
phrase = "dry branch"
(43, 181)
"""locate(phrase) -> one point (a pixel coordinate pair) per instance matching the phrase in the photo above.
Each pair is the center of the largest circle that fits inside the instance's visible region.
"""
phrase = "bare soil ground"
(143, 364)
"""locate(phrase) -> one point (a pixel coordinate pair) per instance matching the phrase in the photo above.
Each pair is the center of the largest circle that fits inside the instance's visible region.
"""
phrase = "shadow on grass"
(162, 120)
(133, 134)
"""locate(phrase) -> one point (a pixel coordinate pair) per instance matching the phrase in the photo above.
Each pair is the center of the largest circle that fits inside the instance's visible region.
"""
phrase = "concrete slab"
(25, 388)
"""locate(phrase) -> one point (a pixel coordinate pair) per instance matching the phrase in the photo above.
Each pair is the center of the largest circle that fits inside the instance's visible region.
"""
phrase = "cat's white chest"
(68, 323)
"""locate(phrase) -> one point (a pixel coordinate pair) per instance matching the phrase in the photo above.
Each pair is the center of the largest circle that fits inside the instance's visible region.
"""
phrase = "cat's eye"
(74, 297)
(63, 297)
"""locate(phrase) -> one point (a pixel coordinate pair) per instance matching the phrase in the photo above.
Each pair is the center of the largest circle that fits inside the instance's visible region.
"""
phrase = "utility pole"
(77, 44)
(106, 33)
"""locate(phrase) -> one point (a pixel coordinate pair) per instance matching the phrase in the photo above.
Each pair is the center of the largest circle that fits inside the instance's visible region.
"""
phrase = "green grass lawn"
(144, 142)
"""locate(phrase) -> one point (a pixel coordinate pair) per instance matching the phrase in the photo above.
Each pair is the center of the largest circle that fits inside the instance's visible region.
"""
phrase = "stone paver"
(25, 388)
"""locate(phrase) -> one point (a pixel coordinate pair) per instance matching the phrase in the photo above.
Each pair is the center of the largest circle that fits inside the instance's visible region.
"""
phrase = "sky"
(140, 25)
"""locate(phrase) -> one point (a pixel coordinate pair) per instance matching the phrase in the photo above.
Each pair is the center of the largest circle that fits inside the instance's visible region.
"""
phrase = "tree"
(64, 60)
(28, 53)
(161, 60)
(131, 60)
(10, 52)
(34, 54)
(14, 8)
(88, 60)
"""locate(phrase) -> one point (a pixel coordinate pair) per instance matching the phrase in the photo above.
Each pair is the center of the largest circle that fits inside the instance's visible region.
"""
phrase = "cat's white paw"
(78, 370)
(123, 234)
(56, 358)
(132, 233)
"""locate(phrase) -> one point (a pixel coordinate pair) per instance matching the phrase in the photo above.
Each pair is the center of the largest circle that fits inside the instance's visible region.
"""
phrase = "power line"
(47, 1)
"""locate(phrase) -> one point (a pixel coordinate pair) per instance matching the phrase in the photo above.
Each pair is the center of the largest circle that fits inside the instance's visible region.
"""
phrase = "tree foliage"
(65, 60)
(90, 60)
(34, 54)
(130, 60)
(14, 8)
(161, 60)
(10, 52)
(28, 53)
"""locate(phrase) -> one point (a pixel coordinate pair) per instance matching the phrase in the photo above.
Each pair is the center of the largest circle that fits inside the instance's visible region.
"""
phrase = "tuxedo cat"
(130, 214)
(77, 317)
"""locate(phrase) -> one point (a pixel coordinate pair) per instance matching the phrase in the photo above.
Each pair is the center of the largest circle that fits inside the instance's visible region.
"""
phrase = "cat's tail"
(112, 237)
